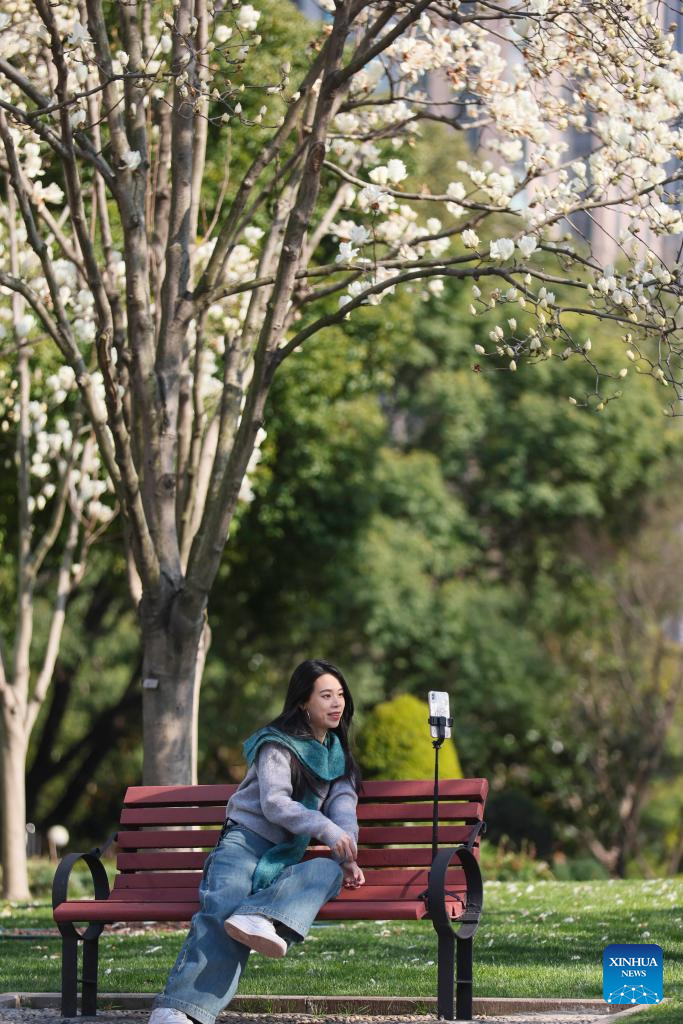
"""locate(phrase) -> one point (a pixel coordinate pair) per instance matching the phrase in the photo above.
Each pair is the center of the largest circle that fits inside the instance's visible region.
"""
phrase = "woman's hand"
(353, 876)
(345, 847)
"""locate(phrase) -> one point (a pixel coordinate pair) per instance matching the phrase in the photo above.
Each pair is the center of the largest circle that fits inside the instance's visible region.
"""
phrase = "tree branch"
(56, 625)
(60, 328)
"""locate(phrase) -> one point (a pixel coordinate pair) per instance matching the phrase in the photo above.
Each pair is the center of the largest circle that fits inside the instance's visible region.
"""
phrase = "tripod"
(448, 937)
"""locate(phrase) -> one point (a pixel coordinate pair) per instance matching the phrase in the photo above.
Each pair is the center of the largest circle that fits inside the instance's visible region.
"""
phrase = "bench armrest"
(60, 883)
(436, 893)
(476, 830)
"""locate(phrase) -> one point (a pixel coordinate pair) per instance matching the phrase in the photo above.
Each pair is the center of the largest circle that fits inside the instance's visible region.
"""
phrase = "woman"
(256, 892)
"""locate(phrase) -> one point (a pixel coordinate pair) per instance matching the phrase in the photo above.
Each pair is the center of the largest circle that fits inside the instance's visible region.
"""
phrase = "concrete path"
(28, 1015)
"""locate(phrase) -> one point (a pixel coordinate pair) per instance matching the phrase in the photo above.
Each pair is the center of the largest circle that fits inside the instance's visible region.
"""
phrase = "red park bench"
(158, 873)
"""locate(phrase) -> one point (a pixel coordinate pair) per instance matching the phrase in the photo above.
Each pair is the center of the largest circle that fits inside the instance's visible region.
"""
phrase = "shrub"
(579, 869)
(394, 743)
(503, 863)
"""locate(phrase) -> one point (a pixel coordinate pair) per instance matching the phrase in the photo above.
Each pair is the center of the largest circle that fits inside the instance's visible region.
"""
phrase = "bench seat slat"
(174, 796)
(212, 815)
(366, 892)
(391, 910)
(171, 894)
(337, 910)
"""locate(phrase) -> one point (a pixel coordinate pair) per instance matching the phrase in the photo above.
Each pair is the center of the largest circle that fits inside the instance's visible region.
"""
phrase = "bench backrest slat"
(214, 815)
(205, 838)
(414, 789)
(181, 861)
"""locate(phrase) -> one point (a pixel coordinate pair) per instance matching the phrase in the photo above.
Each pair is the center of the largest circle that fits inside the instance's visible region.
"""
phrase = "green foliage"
(440, 528)
(86, 745)
(394, 743)
(514, 817)
(289, 36)
(503, 863)
(579, 869)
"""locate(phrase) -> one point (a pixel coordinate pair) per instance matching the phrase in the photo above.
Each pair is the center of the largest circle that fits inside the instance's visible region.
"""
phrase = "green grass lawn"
(535, 939)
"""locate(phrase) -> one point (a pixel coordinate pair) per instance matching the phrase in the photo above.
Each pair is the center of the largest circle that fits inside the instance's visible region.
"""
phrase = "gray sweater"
(263, 802)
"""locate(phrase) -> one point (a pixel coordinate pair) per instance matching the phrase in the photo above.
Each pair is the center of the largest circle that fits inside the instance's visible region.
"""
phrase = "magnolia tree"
(62, 504)
(111, 119)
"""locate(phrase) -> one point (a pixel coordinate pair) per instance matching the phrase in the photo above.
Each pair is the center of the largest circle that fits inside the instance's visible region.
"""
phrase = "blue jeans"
(206, 973)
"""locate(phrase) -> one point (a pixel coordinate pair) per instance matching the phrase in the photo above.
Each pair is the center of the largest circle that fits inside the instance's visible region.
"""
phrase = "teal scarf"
(324, 760)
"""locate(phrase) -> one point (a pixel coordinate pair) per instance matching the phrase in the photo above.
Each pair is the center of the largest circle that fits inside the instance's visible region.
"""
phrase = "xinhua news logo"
(633, 973)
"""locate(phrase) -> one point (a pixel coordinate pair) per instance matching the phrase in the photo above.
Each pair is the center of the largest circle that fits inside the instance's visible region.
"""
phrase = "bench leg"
(69, 976)
(89, 982)
(446, 968)
(463, 998)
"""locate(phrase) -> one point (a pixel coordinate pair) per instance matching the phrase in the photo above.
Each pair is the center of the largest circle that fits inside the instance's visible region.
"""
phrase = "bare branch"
(56, 627)
(376, 289)
(201, 123)
(366, 53)
(24, 623)
(227, 234)
(32, 119)
(59, 328)
(72, 176)
(117, 132)
(59, 504)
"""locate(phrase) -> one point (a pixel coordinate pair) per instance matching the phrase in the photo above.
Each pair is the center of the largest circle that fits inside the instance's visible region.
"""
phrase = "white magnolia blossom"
(131, 159)
(394, 172)
(526, 86)
(222, 33)
(78, 35)
(358, 234)
(470, 238)
(502, 249)
(347, 253)
(55, 452)
(372, 197)
(527, 245)
(247, 18)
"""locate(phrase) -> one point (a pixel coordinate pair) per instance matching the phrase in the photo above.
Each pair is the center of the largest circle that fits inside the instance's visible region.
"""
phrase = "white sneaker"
(168, 1015)
(256, 931)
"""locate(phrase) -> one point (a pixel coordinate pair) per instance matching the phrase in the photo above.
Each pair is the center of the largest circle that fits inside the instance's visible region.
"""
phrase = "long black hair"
(293, 721)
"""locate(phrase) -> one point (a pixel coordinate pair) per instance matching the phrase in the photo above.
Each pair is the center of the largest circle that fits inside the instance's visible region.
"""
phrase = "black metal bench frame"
(452, 935)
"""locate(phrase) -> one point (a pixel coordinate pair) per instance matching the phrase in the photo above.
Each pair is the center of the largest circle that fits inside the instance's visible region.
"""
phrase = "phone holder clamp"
(441, 723)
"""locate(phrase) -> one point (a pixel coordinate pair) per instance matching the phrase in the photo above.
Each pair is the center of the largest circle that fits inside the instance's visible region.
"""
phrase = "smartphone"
(439, 707)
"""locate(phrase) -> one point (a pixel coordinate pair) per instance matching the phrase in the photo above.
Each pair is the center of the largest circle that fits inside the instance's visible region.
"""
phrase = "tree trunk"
(14, 749)
(173, 662)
